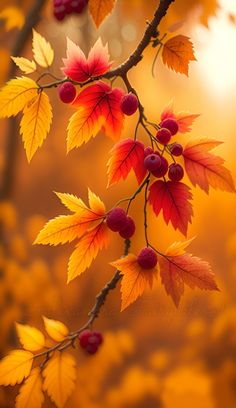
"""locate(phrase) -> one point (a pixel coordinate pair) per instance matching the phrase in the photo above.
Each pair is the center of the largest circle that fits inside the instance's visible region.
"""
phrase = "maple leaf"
(15, 95)
(42, 50)
(31, 392)
(184, 119)
(35, 123)
(98, 107)
(99, 9)
(31, 338)
(126, 155)
(135, 280)
(15, 367)
(204, 168)
(13, 17)
(177, 53)
(55, 329)
(66, 228)
(177, 271)
(24, 64)
(60, 375)
(80, 69)
(173, 199)
(87, 249)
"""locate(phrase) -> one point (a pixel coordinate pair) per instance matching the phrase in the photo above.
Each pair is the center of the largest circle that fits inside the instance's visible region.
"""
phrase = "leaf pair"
(86, 224)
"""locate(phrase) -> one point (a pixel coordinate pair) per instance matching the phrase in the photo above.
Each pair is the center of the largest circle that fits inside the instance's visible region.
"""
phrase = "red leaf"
(80, 69)
(184, 119)
(173, 199)
(205, 169)
(126, 155)
(176, 271)
(98, 107)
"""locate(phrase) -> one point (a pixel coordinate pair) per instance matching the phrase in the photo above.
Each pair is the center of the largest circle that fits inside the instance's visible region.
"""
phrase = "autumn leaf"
(98, 108)
(42, 50)
(60, 376)
(177, 53)
(99, 9)
(126, 155)
(15, 367)
(31, 393)
(87, 249)
(15, 95)
(55, 329)
(204, 168)
(13, 16)
(173, 199)
(177, 271)
(178, 247)
(31, 338)
(80, 69)
(35, 123)
(24, 64)
(135, 280)
(183, 118)
(66, 228)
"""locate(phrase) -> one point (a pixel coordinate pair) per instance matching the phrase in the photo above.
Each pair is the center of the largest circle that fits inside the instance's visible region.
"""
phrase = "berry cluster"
(155, 162)
(119, 221)
(61, 8)
(90, 341)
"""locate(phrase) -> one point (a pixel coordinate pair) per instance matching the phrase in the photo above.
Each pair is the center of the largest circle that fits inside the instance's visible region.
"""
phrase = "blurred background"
(154, 355)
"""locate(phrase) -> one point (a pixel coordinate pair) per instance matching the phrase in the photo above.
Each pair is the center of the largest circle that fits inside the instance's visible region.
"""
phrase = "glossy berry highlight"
(67, 92)
(171, 125)
(162, 170)
(152, 162)
(176, 172)
(147, 258)
(128, 231)
(176, 149)
(116, 219)
(129, 104)
(163, 136)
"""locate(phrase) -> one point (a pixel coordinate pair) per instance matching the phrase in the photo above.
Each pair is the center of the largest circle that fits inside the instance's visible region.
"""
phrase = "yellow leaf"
(13, 17)
(178, 247)
(42, 50)
(56, 329)
(15, 367)
(99, 9)
(31, 338)
(15, 95)
(96, 204)
(177, 53)
(35, 123)
(60, 375)
(72, 202)
(31, 393)
(87, 249)
(24, 64)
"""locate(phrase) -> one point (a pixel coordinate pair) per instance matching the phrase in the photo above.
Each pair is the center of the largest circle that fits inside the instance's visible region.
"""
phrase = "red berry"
(91, 348)
(163, 135)
(152, 162)
(129, 104)
(176, 149)
(90, 341)
(128, 231)
(59, 12)
(67, 92)
(171, 125)
(162, 170)
(67, 4)
(84, 337)
(116, 219)
(147, 258)
(176, 172)
(78, 5)
(148, 150)
(99, 337)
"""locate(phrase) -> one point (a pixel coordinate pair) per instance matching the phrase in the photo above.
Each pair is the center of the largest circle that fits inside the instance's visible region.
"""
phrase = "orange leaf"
(87, 249)
(205, 169)
(99, 9)
(126, 155)
(173, 199)
(176, 271)
(98, 107)
(177, 53)
(135, 280)
(185, 121)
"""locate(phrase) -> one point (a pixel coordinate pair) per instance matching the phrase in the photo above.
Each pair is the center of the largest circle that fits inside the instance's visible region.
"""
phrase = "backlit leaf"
(125, 156)
(31, 338)
(31, 393)
(177, 53)
(178, 247)
(99, 9)
(55, 329)
(42, 50)
(173, 199)
(98, 108)
(24, 64)
(15, 367)
(184, 119)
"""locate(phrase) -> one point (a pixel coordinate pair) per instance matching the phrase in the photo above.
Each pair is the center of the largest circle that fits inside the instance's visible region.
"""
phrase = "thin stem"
(145, 210)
